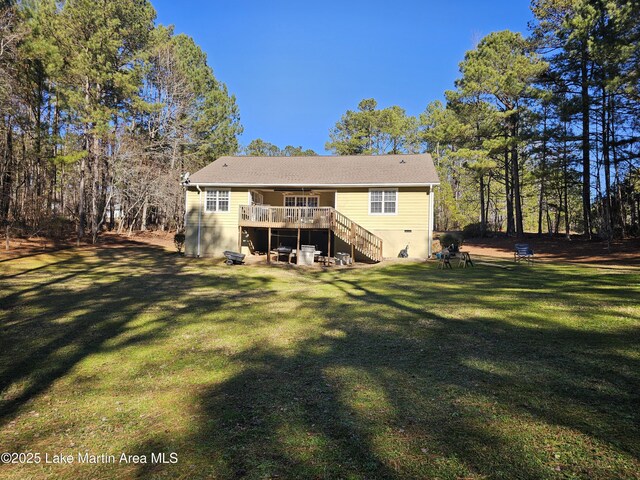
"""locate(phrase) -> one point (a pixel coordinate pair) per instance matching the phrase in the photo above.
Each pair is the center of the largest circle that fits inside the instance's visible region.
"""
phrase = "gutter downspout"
(199, 217)
(431, 222)
(184, 217)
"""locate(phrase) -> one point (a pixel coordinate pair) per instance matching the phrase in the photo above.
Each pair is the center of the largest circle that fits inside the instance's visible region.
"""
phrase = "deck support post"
(431, 221)
(353, 241)
(298, 248)
(269, 247)
(239, 239)
(328, 247)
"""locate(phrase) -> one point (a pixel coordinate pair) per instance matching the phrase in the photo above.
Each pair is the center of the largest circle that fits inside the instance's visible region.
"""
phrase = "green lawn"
(396, 371)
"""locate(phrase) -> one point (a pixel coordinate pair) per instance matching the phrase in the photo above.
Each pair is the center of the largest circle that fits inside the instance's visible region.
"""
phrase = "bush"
(178, 241)
(448, 239)
(473, 230)
(56, 227)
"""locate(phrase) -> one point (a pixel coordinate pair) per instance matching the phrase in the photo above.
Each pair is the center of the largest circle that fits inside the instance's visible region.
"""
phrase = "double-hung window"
(383, 202)
(216, 201)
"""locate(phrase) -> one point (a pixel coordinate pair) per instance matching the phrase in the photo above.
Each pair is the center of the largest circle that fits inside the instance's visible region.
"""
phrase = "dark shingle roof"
(365, 170)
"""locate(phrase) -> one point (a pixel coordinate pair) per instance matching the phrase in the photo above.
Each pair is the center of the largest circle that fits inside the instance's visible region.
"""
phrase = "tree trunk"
(606, 201)
(565, 182)
(543, 169)
(586, 164)
(508, 193)
(112, 214)
(488, 200)
(81, 212)
(540, 208)
(565, 199)
(515, 177)
(83, 166)
(8, 177)
(621, 211)
(57, 199)
(95, 160)
(483, 218)
(143, 219)
(95, 191)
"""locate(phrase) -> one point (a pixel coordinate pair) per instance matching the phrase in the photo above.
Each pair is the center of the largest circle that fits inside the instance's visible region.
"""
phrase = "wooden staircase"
(318, 218)
(358, 237)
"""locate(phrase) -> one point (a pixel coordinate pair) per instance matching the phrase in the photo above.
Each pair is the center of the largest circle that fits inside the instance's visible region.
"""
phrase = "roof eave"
(333, 185)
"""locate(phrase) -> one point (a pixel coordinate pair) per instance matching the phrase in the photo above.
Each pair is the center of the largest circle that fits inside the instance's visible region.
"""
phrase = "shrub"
(473, 230)
(448, 239)
(178, 241)
(56, 227)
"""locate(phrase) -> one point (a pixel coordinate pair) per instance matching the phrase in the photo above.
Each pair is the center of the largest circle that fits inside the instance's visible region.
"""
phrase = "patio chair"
(523, 252)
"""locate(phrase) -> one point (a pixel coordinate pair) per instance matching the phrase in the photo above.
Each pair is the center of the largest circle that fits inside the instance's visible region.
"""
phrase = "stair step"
(365, 242)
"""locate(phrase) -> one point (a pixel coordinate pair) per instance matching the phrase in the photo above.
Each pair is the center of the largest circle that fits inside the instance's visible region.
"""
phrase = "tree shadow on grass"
(388, 380)
(49, 326)
(396, 388)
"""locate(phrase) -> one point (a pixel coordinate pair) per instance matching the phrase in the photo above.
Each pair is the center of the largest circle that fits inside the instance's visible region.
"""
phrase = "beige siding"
(223, 219)
(327, 199)
(219, 230)
(409, 226)
(412, 211)
(393, 241)
(272, 198)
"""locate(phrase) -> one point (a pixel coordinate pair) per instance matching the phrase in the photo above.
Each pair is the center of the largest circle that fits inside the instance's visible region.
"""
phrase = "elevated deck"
(360, 239)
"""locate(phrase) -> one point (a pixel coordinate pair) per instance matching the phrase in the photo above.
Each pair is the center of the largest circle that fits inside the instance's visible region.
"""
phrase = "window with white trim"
(383, 202)
(301, 201)
(216, 201)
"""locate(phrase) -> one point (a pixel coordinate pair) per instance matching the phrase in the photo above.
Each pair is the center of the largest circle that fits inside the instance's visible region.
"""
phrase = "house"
(369, 206)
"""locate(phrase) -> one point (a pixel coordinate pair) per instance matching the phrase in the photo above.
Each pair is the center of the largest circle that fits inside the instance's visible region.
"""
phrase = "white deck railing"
(344, 228)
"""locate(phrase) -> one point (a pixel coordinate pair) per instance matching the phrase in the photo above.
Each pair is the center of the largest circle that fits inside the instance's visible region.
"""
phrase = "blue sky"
(296, 67)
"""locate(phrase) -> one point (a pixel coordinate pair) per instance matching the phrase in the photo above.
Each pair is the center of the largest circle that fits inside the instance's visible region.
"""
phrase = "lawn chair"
(523, 252)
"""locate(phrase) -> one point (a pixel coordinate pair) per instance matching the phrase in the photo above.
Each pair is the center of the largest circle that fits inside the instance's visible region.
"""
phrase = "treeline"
(261, 148)
(101, 110)
(539, 134)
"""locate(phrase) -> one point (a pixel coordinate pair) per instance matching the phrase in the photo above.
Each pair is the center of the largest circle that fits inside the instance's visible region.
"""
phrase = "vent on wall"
(408, 231)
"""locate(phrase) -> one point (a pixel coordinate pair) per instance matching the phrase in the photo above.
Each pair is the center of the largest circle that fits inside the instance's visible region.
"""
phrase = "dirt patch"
(158, 239)
(576, 250)
(23, 246)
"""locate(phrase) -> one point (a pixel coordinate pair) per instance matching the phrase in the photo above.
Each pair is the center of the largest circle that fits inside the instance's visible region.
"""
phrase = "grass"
(396, 371)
